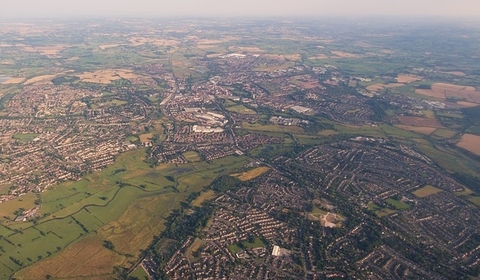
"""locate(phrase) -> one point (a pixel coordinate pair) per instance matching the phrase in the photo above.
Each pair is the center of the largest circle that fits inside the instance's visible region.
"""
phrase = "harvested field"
(293, 57)
(339, 54)
(419, 122)
(378, 87)
(426, 191)
(418, 129)
(318, 56)
(251, 49)
(13, 81)
(407, 78)
(39, 79)
(444, 91)
(470, 143)
(254, 173)
(467, 104)
(107, 76)
(456, 73)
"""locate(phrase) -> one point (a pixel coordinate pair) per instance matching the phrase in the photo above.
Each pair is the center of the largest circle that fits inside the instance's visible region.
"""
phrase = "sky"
(229, 8)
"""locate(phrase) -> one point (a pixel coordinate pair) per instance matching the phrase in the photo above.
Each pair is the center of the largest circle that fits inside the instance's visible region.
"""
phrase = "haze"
(63, 8)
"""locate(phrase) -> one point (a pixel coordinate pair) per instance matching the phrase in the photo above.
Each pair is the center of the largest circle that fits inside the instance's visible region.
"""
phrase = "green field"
(25, 137)
(426, 191)
(125, 203)
(397, 204)
(241, 109)
(192, 156)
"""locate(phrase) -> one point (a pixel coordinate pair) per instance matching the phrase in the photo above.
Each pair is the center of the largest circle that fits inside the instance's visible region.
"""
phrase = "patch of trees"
(424, 86)
(64, 80)
(377, 107)
(225, 183)
(108, 244)
(472, 182)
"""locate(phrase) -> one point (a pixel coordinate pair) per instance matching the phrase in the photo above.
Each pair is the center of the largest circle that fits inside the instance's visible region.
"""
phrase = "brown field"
(85, 257)
(104, 47)
(456, 73)
(318, 56)
(407, 78)
(419, 129)
(38, 79)
(251, 49)
(377, 87)
(470, 143)
(254, 173)
(467, 104)
(443, 91)
(107, 76)
(426, 191)
(73, 58)
(7, 62)
(339, 54)
(13, 81)
(138, 41)
(293, 57)
(421, 122)
(204, 197)
(146, 137)
(388, 51)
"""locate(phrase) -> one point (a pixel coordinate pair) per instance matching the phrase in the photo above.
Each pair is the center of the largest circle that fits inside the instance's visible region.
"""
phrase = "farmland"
(470, 143)
(347, 150)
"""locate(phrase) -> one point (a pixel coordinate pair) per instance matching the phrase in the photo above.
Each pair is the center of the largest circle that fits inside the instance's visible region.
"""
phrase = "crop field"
(39, 79)
(106, 76)
(470, 143)
(254, 173)
(444, 91)
(379, 87)
(418, 129)
(426, 191)
(125, 203)
(417, 121)
(444, 133)
(405, 79)
(13, 81)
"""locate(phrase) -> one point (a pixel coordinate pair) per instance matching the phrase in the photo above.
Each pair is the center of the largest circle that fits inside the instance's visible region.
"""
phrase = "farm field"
(470, 143)
(125, 204)
(418, 129)
(420, 122)
(445, 90)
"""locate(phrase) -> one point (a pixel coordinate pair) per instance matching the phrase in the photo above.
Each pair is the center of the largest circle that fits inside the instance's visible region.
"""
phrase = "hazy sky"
(48, 8)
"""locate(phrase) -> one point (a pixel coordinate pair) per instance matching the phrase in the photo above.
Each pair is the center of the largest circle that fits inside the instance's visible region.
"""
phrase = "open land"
(470, 143)
(210, 149)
